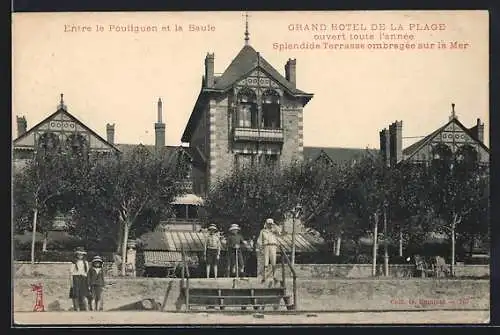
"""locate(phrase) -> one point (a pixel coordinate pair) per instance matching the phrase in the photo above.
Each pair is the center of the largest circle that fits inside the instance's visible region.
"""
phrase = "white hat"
(234, 226)
(212, 227)
(97, 259)
(80, 250)
(269, 221)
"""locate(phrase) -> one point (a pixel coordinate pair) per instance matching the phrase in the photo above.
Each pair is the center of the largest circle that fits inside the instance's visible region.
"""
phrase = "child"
(78, 277)
(96, 283)
(234, 251)
(212, 249)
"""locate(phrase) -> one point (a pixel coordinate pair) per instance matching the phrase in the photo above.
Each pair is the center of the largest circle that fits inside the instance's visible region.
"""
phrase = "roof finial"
(453, 115)
(61, 102)
(247, 34)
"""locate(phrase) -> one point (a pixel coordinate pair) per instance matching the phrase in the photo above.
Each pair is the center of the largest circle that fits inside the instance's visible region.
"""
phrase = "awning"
(188, 199)
(304, 242)
(194, 241)
(167, 258)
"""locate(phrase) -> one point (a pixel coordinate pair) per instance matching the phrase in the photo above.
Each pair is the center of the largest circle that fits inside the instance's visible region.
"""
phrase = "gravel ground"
(159, 318)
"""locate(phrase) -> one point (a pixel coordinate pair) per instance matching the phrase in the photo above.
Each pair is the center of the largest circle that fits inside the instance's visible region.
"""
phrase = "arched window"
(442, 157)
(247, 109)
(48, 143)
(442, 152)
(467, 157)
(468, 154)
(271, 110)
(77, 145)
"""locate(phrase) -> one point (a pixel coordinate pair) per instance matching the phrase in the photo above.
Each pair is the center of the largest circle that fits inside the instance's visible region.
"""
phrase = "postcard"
(291, 167)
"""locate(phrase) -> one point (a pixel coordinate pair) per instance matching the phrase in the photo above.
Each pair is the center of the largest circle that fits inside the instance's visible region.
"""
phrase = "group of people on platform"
(267, 241)
(86, 282)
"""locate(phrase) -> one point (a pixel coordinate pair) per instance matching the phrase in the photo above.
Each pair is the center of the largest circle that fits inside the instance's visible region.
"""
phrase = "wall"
(305, 271)
(292, 124)
(50, 269)
(223, 157)
(332, 271)
(200, 139)
(313, 295)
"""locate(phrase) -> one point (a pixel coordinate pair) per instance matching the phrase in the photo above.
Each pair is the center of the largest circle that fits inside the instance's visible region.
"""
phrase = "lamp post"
(386, 252)
(296, 213)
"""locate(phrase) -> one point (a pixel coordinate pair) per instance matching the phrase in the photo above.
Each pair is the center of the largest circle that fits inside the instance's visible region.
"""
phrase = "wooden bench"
(256, 298)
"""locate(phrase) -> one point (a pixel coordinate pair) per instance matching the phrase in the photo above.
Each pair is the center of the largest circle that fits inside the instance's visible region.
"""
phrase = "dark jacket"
(95, 278)
(235, 241)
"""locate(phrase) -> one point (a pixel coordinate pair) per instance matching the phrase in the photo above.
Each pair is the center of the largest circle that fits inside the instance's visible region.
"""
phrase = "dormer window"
(48, 143)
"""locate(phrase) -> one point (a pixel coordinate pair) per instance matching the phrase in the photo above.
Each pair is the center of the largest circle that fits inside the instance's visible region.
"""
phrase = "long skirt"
(80, 287)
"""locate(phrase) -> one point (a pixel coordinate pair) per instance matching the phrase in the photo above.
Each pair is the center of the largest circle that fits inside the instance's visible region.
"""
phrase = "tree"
(369, 184)
(319, 187)
(458, 195)
(247, 197)
(48, 181)
(131, 184)
(409, 213)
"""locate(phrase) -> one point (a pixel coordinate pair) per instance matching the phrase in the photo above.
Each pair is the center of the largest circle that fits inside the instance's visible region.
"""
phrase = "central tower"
(249, 115)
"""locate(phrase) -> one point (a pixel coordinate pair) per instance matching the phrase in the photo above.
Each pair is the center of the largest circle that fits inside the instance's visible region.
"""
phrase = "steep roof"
(26, 141)
(336, 155)
(247, 60)
(412, 149)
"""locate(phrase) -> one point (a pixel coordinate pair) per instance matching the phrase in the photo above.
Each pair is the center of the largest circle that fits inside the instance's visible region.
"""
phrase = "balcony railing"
(186, 185)
(255, 134)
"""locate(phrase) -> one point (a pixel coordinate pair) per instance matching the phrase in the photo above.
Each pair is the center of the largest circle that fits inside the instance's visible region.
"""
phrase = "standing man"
(235, 244)
(212, 249)
(268, 240)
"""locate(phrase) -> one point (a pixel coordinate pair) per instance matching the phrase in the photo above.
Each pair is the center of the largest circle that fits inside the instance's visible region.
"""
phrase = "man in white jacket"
(268, 240)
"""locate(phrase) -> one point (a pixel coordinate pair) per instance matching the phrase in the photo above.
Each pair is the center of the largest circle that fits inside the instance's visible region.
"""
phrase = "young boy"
(212, 248)
(235, 244)
(96, 283)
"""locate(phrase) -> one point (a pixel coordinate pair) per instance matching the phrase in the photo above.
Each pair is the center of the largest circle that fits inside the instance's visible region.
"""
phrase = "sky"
(113, 76)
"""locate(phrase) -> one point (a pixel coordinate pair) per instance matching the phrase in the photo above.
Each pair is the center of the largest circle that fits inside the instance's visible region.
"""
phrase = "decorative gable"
(454, 135)
(64, 127)
(259, 79)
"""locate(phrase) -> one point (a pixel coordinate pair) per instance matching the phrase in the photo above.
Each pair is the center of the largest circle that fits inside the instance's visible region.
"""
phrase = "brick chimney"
(110, 133)
(480, 130)
(396, 142)
(22, 125)
(209, 70)
(385, 146)
(291, 71)
(159, 128)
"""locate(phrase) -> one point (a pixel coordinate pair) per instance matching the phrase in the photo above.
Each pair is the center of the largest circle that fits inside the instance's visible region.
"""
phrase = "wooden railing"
(285, 259)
